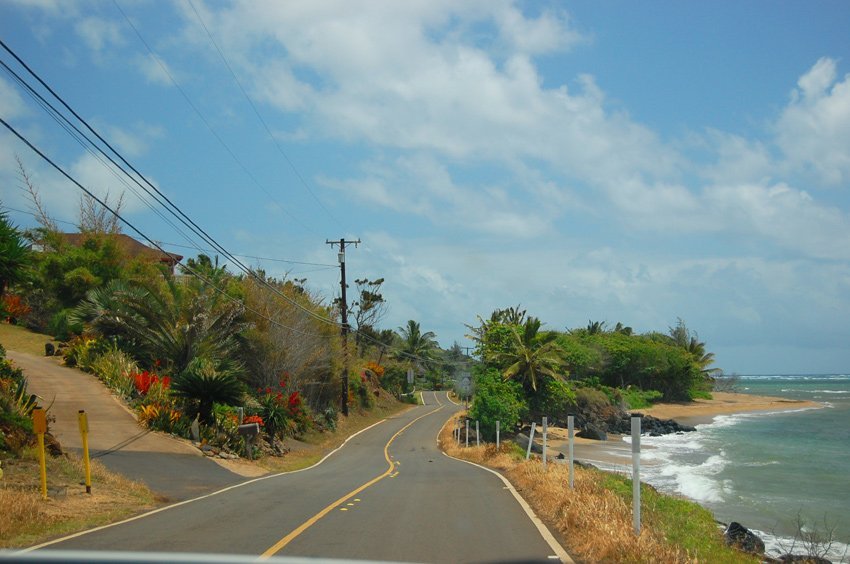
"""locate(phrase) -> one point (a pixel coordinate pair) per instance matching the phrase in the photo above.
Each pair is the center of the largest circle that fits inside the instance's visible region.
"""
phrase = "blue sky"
(612, 161)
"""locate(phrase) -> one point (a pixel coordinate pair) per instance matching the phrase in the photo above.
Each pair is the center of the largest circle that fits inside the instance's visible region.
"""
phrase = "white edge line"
(541, 527)
(544, 531)
(187, 501)
(449, 397)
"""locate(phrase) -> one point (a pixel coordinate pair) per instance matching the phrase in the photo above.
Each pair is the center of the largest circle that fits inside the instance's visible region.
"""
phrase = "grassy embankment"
(594, 521)
(28, 519)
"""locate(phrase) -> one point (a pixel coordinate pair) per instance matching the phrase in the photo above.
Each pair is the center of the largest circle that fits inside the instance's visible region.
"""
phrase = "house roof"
(129, 245)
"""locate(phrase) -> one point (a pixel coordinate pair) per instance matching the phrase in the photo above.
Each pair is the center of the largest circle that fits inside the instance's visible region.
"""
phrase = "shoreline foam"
(703, 411)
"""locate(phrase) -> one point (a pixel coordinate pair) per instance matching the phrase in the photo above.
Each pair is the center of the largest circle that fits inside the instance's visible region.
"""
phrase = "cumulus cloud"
(11, 103)
(155, 70)
(813, 131)
(98, 33)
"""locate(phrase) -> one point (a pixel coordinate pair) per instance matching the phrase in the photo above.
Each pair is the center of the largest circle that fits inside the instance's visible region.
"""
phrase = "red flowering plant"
(282, 413)
(151, 386)
(253, 419)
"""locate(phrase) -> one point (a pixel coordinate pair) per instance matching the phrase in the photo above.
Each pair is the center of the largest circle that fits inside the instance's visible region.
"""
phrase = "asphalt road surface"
(387, 494)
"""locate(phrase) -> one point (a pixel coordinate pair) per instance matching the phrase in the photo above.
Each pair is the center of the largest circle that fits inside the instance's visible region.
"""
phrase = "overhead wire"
(86, 143)
(206, 122)
(151, 242)
(171, 207)
(256, 111)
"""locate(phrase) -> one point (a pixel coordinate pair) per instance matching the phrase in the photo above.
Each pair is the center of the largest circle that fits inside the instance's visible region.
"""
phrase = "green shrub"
(496, 400)
(82, 351)
(201, 386)
(115, 368)
(555, 399)
(699, 394)
(63, 328)
(640, 399)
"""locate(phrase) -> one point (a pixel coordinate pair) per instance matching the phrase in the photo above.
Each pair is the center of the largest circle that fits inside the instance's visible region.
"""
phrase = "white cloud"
(99, 179)
(155, 70)
(547, 33)
(132, 141)
(11, 103)
(814, 129)
(99, 34)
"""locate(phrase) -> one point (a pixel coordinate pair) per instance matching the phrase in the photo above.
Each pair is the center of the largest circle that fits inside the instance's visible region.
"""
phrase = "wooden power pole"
(344, 313)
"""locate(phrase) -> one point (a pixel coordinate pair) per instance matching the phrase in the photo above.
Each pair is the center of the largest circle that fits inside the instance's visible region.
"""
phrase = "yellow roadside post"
(83, 420)
(39, 425)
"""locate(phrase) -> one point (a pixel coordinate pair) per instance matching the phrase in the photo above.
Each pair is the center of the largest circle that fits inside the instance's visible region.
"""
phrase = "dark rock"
(49, 349)
(593, 432)
(585, 465)
(522, 440)
(802, 558)
(740, 537)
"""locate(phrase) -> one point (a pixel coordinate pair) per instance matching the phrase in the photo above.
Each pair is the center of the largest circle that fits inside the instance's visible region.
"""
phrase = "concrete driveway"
(170, 467)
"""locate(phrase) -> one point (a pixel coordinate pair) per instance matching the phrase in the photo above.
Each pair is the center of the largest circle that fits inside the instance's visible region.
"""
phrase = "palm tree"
(417, 347)
(532, 356)
(681, 336)
(14, 254)
(203, 384)
(175, 323)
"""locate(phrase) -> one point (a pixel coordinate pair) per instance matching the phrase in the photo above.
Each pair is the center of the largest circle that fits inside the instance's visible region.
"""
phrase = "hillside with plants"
(595, 372)
(185, 342)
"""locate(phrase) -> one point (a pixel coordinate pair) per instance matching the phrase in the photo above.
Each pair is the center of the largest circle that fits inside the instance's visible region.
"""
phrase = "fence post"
(467, 433)
(636, 474)
(497, 435)
(477, 438)
(570, 429)
(545, 429)
(530, 441)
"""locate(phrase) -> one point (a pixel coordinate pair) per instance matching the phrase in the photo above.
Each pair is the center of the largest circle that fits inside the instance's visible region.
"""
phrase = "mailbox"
(249, 430)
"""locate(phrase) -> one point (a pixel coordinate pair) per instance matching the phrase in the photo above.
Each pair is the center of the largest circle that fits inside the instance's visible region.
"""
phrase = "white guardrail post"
(545, 429)
(570, 430)
(636, 474)
(530, 441)
(497, 435)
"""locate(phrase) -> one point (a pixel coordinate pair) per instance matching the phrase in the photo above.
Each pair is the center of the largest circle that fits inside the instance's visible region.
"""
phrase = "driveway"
(170, 467)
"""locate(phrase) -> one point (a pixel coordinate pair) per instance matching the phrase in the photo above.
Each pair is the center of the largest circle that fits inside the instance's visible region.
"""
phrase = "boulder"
(592, 432)
(740, 537)
(49, 349)
(803, 559)
(522, 440)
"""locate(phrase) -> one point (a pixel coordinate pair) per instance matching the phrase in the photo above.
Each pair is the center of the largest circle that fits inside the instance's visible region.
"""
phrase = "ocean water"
(765, 469)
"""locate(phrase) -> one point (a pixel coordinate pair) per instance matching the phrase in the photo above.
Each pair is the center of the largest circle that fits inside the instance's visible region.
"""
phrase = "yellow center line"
(279, 545)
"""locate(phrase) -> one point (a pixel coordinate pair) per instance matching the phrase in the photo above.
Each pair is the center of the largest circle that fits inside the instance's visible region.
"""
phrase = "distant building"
(133, 248)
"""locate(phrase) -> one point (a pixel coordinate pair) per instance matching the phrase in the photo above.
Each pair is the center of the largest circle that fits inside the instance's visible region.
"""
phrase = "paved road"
(419, 507)
(172, 468)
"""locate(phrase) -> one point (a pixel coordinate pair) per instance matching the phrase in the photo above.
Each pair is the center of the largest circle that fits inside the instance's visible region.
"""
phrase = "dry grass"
(28, 519)
(21, 339)
(594, 520)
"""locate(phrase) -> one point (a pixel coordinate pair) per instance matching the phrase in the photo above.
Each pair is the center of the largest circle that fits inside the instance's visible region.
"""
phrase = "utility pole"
(344, 311)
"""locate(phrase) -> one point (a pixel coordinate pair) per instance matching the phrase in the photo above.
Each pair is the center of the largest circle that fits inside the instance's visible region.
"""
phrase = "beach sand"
(616, 452)
(723, 403)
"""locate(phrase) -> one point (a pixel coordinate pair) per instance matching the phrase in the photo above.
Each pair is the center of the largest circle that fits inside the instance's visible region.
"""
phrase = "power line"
(257, 113)
(126, 222)
(159, 197)
(172, 208)
(206, 122)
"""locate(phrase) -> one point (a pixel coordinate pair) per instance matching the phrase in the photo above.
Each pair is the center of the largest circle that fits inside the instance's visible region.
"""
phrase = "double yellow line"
(279, 545)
